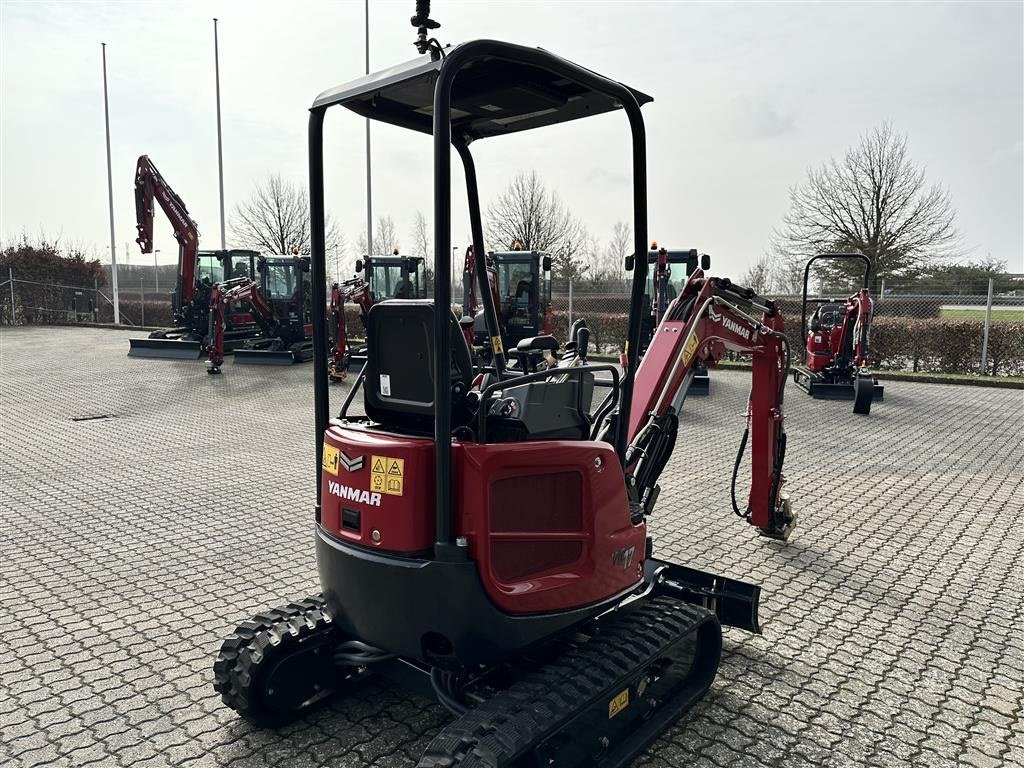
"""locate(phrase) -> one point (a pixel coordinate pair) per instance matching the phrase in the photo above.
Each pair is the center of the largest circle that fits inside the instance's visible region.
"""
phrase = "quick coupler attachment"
(735, 603)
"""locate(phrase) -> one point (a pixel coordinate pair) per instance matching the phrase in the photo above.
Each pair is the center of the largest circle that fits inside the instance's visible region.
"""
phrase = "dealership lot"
(147, 508)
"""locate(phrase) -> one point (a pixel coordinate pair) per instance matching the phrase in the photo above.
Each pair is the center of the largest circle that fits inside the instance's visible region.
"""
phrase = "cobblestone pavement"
(132, 544)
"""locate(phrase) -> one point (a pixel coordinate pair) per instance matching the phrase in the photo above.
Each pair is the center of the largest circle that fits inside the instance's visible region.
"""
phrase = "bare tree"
(385, 239)
(758, 276)
(275, 219)
(420, 236)
(527, 213)
(619, 247)
(874, 199)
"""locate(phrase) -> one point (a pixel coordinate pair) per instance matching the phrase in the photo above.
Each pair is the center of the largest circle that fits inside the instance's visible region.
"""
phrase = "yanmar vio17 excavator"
(279, 303)
(667, 271)
(838, 344)
(197, 272)
(549, 629)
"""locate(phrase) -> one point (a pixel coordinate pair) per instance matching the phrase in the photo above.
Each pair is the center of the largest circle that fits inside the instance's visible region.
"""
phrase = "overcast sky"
(746, 97)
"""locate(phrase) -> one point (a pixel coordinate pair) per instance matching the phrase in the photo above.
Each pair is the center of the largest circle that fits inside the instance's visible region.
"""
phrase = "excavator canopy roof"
(490, 97)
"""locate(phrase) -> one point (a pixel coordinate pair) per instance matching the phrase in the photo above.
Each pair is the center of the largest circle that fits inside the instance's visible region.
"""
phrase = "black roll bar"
(450, 66)
(807, 274)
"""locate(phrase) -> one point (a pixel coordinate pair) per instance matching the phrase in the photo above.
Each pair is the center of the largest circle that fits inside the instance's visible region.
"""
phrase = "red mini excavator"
(549, 629)
(838, 342)
(667, 271)
(279, 303)
(197, 271)
(357, 291)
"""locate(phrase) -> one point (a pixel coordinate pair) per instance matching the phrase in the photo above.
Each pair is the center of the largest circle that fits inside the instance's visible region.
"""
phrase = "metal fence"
(937, 333)
(143, 299)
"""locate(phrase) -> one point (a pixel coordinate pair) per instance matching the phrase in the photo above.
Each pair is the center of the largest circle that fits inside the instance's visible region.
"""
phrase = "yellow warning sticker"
(330, 459)
(690, 348)
(618, 704)
(387, 475)
(497, 346)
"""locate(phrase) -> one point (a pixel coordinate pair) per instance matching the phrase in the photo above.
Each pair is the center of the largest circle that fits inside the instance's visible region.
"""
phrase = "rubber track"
(244, 654)
(509, 724)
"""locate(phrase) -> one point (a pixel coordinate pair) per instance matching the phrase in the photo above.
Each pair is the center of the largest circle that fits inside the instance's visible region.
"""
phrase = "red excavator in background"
(481, 533)
(279, 303)
(197, 272)
(357, 291)
(838, 340)
(667, 271)
(383, 277)
(520, 285)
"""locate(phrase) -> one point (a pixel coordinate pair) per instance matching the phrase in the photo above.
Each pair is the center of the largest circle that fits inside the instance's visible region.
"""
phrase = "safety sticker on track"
(618, 704)
(387, 475)
(329, 463)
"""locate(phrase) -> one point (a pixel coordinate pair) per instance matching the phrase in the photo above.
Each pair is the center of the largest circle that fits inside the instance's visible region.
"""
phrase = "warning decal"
(618, 704)
(387, 475)
(496, 345)
(329, 463)
(690, 348)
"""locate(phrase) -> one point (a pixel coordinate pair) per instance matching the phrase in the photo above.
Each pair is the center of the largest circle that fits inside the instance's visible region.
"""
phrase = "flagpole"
(369, 191)
(220, 148)
(110, 196)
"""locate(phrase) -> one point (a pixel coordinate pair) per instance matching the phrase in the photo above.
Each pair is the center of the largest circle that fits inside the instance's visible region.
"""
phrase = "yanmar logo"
(353, 494)
(350, 465)
(730, 325)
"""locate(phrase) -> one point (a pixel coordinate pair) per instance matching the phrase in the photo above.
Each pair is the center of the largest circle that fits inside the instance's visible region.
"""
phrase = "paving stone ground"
(130, 545)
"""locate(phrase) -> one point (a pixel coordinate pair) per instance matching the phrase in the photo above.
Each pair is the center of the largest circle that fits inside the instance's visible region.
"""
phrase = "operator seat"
(399, 388)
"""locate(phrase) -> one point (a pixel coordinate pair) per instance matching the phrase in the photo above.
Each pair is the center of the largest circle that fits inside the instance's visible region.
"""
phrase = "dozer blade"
(602, 701)
(264, 357)
(168, 349)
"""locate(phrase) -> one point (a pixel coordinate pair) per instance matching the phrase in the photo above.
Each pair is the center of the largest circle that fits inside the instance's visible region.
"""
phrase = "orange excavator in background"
(197, 272)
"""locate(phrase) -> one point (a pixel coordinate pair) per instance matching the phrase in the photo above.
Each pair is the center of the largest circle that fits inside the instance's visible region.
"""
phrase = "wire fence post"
(10, 276)
(988, 322)
(570, 302)
(881, 289)
(142, 301)
(95, 299)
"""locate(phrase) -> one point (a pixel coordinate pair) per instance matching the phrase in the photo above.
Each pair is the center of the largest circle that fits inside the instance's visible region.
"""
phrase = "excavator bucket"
(265, 357)
(167, 349)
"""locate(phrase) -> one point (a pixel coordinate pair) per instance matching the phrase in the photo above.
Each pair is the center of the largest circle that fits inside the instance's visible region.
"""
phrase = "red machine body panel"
(547, 522)
(387, 479)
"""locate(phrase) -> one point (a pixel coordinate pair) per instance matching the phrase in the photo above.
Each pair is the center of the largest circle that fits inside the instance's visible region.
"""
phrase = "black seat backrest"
(399, 387)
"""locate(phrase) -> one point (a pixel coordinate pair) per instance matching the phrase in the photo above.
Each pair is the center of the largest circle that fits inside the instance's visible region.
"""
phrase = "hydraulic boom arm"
(710, 317)
(150, 186)
(356, 290)
(228, 292)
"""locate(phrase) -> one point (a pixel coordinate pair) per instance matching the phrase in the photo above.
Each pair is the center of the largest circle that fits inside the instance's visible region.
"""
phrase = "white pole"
(369, 192)
(988, 322)
(10, 275)
(110, 196)
(142, 301)
(570, 302)
(220, 148)
(156, 270)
